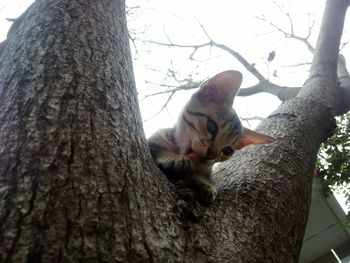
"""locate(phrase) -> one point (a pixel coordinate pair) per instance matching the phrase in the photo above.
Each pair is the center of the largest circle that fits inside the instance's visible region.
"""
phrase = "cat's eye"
(212, 127)
(227, 151)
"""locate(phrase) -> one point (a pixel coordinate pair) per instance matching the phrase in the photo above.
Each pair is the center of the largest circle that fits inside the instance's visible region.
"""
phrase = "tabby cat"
(208, 131)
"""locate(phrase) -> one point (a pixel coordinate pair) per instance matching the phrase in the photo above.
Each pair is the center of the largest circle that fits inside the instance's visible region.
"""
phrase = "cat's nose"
(211, 155)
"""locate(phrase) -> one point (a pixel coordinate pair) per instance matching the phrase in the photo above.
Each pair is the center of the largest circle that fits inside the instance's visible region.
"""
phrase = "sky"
(235, 23)
(232, 23)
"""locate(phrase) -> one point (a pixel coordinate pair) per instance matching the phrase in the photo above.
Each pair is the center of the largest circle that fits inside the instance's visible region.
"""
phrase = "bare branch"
(249, 66)
(205, 31)
(344, 79)
(163, 107)
(264, 84)
(286, 14)
(342, 45)
(291, 34)
(342, 70)
(131, 9)
(171, 44)
(283, 93)
(253, 118)
(326, 54)
(297, 65)
(132, 39)
(188, 86)
(310, 27)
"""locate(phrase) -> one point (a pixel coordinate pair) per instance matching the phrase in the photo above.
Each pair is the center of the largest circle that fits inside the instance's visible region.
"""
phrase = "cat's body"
(208, 131)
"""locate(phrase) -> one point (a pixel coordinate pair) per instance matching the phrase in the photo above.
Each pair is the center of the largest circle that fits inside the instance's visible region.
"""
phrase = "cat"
(208, 131)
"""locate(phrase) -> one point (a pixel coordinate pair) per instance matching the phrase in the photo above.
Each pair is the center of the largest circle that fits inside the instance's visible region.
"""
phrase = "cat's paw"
(206, 193)
(179, 167)
(183, 166)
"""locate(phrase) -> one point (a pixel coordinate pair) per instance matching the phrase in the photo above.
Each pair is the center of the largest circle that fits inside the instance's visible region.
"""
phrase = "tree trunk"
(77, 182)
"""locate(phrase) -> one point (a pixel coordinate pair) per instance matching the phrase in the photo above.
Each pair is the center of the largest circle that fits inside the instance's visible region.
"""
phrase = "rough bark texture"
(76, 179)
(71, 146)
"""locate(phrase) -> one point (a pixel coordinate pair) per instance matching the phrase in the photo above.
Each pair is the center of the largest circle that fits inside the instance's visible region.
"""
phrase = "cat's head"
(209, 126)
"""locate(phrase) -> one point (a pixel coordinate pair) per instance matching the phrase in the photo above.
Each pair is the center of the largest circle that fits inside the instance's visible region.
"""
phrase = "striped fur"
(208, 131)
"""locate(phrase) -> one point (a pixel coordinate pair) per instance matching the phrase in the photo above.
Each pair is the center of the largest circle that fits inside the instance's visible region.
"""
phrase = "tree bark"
(77, 182)
(73, 159)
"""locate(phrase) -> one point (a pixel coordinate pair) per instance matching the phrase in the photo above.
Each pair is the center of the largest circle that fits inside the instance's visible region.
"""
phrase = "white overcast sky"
(230, 22)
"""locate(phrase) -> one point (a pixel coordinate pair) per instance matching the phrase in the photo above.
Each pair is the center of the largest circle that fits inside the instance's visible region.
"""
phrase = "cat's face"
(213, 130)
(209, 127)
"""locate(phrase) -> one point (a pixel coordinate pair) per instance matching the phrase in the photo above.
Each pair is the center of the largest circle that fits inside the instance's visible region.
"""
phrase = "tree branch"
(291, 34)
(283, 93)
(344, 79)
(323, 84)
(163, 107)
(188, 86)
(264, 84)
(326, 54)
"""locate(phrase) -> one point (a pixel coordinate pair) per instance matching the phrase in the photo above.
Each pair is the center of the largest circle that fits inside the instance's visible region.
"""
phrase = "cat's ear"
(222, 88)
(249, 137)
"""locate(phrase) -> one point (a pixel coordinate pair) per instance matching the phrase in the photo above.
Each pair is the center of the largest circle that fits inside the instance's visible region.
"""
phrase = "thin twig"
(163, 107)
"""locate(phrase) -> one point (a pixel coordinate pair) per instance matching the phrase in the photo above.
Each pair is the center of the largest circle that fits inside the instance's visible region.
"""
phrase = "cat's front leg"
(205, 190)
(165, 153)
(176, 166)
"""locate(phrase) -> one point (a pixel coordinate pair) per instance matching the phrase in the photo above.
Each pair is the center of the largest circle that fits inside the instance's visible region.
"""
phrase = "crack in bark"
(148, 249)
(10, 251)
(82, 245)
(283, 115)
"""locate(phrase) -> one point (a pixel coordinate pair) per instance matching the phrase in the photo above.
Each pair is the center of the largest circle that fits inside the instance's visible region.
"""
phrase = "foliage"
(334, 160)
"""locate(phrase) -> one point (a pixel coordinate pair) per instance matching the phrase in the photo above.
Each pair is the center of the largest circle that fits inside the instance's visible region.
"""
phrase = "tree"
(77, 180)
